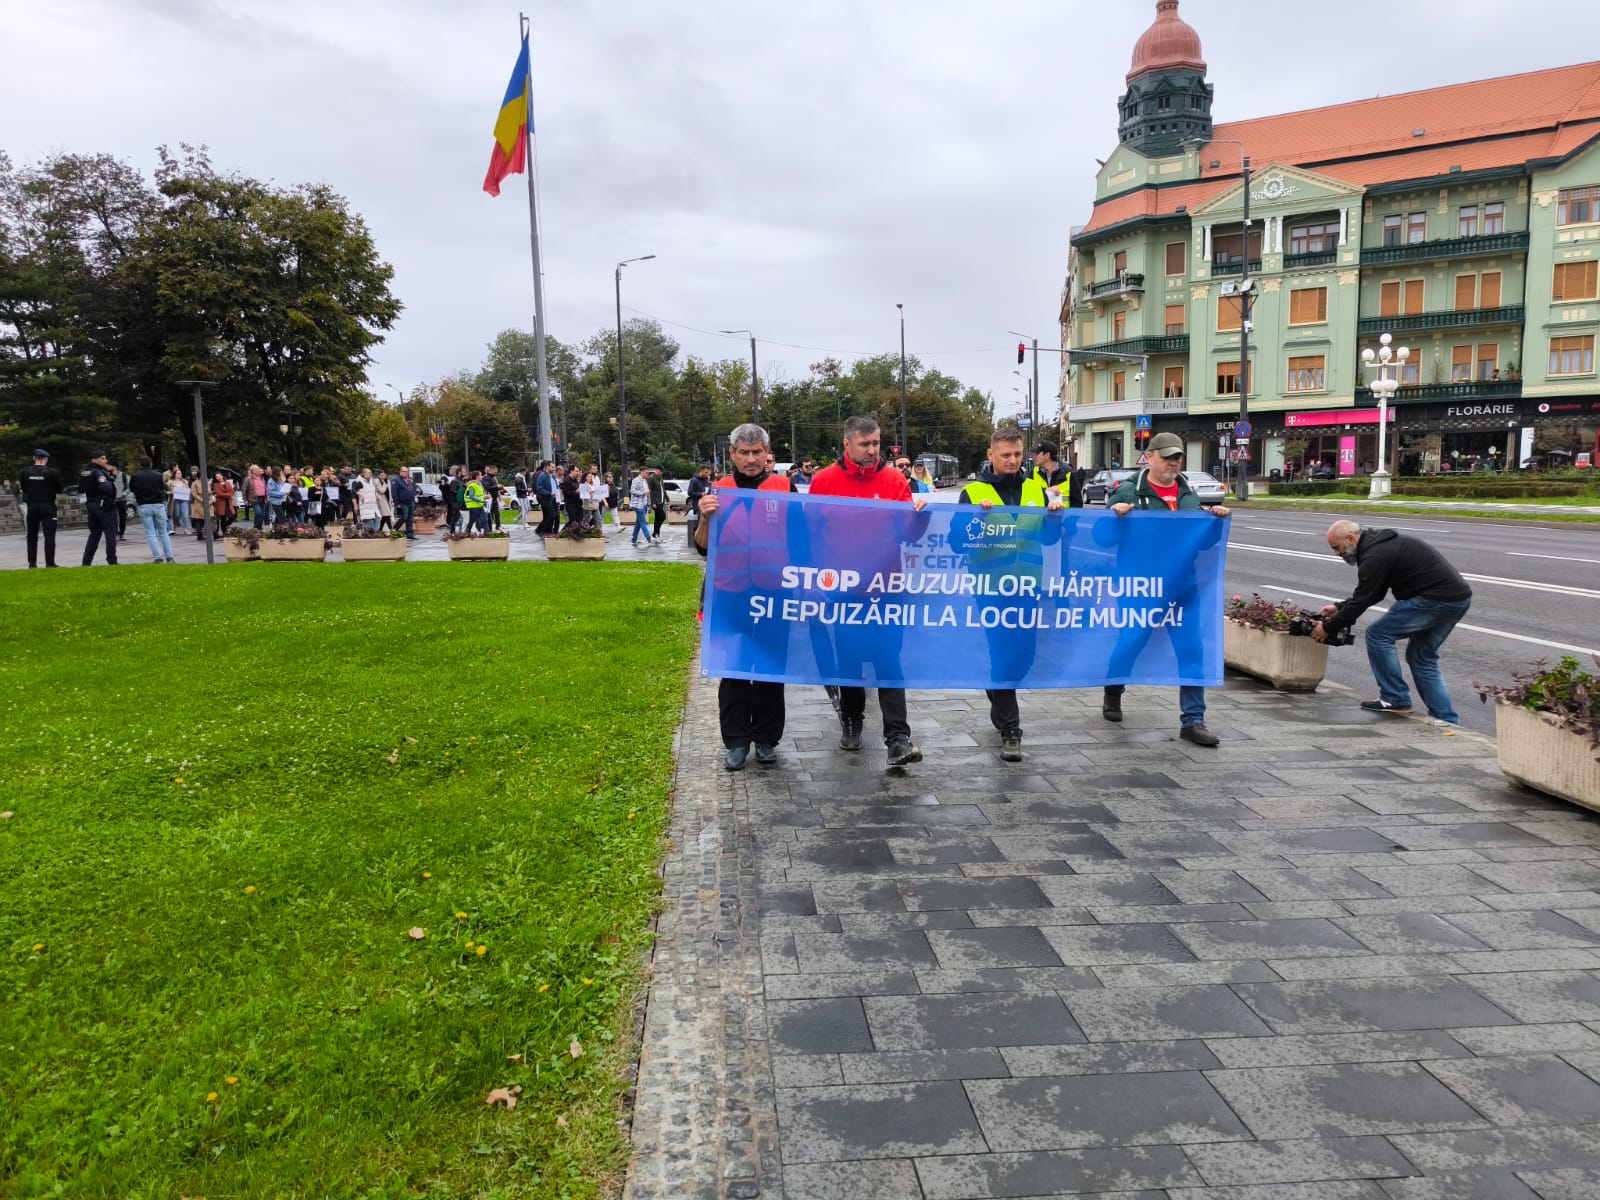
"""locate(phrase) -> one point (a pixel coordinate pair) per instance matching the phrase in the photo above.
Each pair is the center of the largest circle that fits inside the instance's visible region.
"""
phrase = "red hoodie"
(844, 478)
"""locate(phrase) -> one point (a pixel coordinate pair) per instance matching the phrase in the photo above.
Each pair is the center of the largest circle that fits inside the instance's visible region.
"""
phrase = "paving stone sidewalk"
(1337, 959)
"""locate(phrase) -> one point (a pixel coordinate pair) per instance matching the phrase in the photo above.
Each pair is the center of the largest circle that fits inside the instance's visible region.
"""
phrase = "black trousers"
(452, 514)
(102, 523)
(1011, 654)
(750, 711)
(661, 519)
(574, 510)
(891, 703)
(549, 515)
(42, 519)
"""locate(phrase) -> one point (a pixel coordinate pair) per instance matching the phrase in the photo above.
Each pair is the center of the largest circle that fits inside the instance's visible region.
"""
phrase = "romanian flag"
(510, 153)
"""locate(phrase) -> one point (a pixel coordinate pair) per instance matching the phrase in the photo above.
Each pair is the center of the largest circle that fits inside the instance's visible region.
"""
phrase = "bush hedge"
(1475, 487)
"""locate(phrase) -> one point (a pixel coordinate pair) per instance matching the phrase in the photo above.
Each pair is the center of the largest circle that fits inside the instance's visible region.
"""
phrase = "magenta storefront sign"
(1337, 416)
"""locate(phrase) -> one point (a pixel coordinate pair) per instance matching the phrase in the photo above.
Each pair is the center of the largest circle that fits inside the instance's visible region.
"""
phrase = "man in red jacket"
(861, 473)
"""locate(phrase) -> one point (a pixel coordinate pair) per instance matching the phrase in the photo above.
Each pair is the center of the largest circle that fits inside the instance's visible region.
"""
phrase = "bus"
(941, 468)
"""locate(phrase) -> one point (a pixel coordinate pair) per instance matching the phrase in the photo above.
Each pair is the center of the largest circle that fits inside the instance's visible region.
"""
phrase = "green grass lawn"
(235, 793)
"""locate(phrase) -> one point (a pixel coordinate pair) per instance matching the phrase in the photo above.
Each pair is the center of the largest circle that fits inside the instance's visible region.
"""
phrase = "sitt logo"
(824, 579)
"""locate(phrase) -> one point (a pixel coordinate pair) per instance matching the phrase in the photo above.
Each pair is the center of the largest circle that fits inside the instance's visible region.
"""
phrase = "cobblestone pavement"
(1337, 959)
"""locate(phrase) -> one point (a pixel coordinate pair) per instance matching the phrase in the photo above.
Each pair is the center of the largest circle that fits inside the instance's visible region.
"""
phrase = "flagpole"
(523, 23)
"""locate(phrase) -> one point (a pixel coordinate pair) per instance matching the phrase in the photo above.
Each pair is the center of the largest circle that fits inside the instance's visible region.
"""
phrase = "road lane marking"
(1278, 529)
(1554, 589)
(1557, 557)
(1499, 633)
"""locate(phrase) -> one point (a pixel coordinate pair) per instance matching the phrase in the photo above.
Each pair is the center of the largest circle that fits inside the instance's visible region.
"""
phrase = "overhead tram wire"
(1006, 349)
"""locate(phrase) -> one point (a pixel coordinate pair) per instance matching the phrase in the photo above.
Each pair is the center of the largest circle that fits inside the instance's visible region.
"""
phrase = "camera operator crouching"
(1430, 597)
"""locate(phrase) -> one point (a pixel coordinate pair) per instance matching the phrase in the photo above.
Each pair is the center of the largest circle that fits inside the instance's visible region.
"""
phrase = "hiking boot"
(902, 751)
(1384, 706)
(766, 755)
(1111, 707)
(849, 733)
(1011, 747)
(1199, 734)
(734, 758)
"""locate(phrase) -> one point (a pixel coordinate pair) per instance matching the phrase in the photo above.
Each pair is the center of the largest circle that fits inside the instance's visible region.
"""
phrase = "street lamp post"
(199, 385)
(1034, 416)
(905, 443)
(755, 380)
(622, 390)
(1384, 387)
(290, 428)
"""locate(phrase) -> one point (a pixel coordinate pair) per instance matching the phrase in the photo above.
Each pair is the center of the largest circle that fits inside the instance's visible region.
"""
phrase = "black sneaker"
(1199, 735)
(766, 755)
(1011, 747)
(1384, 706)
(902, 751)
(1111, 707)
(734, 758)
(849, 733)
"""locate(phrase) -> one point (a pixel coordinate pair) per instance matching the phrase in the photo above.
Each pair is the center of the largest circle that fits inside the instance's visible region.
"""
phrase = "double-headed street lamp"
(1384, 387)
(755, 381)
(622, 389)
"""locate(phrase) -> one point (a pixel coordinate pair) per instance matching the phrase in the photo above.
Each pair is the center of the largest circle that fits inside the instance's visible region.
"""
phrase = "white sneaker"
(1441, 723)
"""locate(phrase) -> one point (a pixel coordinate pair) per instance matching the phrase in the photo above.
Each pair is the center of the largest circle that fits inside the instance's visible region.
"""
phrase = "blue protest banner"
(820, 589)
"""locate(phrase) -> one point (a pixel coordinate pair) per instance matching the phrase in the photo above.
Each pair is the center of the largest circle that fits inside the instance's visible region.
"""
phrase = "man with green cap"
(1161, 487)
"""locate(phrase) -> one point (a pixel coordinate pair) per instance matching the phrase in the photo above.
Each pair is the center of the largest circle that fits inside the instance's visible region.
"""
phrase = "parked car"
(1101, 483)
(1323, 471)
(1208, 487)
(676, 493)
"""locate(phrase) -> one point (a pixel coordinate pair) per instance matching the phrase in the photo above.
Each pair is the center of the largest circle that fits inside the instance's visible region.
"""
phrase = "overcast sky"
(797, 168)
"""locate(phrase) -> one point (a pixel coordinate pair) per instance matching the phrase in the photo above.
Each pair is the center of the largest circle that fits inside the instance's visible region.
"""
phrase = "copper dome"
(1166, 44)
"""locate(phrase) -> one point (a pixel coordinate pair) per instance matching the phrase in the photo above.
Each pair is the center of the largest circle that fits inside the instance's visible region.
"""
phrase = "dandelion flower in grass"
(211, 1097)
(250, 889)
(469, 943)
(481, 951)
(231, 1080)
(427, 874)
(461, 916)
(38, 946)
(588, 982)
(630, 816)
(544, 987)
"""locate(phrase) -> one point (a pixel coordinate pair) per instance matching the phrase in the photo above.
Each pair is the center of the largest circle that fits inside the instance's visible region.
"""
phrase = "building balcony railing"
(1488, 243)
(1320, 259)
(1170, 344)
(1465, 318)
(1234, 268)
(1121, 285)
(1466, 389)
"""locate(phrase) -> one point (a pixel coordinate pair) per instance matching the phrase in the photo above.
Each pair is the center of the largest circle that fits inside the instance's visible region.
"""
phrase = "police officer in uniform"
(100, 502)
(41, 484)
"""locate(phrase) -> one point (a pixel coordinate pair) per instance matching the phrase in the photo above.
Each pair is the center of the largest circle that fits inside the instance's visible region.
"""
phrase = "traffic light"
(1022, 353)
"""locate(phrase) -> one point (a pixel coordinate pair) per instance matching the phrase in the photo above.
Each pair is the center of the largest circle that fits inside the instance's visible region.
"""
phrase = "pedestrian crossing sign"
(1144, 461)
(1142, 423)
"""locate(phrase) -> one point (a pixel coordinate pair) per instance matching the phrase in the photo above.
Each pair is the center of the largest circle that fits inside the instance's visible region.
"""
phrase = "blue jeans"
(154, 519)
(404, 515)
(1425, 624)
(1191, 703)
(641, 525)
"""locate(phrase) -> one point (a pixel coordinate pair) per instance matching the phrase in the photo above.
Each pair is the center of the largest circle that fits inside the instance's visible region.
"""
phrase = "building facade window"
(1175, 319)
(1460, 364)
(1172, 382)
(1572, 355)
(1494, 218)
(1400, 297)
(1489, 289)
(1308, 306)
(1227, 379)
(1119, 326)
(1228, 312)
(1467, 221)
(1119, 262)
(1574, 281)
(1119, 385)
(1227, 249)
(1176, 253)
(1410, 372)
(1577, 206)
(1466, 292)
(1320, 238)
(1416, 228)
(1086, 333)
(1489, 361)
(1307, 374)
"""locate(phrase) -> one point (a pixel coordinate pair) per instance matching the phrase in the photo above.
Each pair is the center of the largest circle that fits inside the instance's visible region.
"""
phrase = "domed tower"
(1168, 100)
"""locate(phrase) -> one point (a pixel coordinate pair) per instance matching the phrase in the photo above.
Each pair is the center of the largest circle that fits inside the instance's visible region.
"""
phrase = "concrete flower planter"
(1538, 753)
(677, 516)
(236, 551)
(374, 549)
(292, 550)
(425, 525)
(1290, 664)
(480, 548)
(558, 548)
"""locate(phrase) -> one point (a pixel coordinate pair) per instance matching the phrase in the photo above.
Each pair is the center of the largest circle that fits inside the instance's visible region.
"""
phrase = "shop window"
(1460, 364)
(1400, 297)
(1172, 382)
(1307, 374)
(1227, 379)
(1228, 313)
(1176, 252)
(1119, 385)
(1119, 326)
(1308, 306)
(1572, 355)
(1577, 206)
(1494, 218)
(1489, 362)
(1574, 281)
(1175, 319)
(1489, 289)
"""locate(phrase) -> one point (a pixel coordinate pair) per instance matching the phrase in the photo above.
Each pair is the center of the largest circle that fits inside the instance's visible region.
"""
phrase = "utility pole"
(1033, 402)
(1246, 288)
(905, 443)
(205, 469)
(755, 384)
(622, 387)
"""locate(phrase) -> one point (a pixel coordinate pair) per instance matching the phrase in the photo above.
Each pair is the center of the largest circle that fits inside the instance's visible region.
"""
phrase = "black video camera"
(1303, 622)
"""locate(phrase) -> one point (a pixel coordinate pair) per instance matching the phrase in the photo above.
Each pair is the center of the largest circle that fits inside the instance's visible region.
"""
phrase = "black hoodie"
(1408, 566)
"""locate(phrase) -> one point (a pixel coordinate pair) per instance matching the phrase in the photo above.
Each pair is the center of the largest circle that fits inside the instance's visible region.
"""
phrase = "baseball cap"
(1049, 448)
(1167, 445)
(98, 454)
(41, 454)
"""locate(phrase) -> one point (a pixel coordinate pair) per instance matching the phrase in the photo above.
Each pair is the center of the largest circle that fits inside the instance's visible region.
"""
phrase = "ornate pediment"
(1276, 188)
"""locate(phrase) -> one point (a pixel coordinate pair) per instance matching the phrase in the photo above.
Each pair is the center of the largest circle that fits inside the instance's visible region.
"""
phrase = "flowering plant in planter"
(1272, 615)
(474, 534)
(581, 529)
(286, 532)
(245, 535)
(356, 532)
(428, 511)
(1564, 691)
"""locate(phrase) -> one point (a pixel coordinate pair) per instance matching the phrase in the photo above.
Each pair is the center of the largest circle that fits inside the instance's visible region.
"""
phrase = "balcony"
(1122, 285)
(1466, 318)
(1467, 389)
(1170, 344)
(1234, 268)
(1488, 243)
(1321, 259)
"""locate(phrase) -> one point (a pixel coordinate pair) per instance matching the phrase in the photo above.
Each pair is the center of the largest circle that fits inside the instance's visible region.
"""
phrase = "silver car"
(1208, 487)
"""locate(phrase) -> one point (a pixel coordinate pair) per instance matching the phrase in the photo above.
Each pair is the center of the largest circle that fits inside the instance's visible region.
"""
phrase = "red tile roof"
(1550, 113)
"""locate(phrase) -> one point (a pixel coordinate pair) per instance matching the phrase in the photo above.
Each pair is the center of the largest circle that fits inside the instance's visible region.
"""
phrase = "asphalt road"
(1536, 591)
